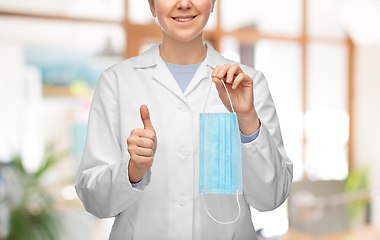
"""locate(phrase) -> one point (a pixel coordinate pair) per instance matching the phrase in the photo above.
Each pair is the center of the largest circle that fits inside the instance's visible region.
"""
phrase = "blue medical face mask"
(220, 155)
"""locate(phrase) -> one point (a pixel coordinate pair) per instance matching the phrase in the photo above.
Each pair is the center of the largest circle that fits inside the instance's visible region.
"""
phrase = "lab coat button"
(183, 108)
(182, 201)
(185, 152)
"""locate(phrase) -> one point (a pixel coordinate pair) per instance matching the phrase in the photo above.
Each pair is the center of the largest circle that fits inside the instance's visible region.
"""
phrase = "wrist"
(135, 174)
(249, 122)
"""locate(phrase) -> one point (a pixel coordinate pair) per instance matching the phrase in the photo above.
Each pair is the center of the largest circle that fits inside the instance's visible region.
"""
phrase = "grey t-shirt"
(183, 73)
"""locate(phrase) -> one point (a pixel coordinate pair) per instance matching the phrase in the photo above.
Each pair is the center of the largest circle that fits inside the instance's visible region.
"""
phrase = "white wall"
(366, 134)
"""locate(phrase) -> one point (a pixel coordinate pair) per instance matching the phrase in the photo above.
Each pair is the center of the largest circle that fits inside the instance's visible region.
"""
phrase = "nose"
(184, 4)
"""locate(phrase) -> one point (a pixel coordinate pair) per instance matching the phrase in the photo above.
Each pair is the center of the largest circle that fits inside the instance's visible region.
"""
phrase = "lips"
(184, 19)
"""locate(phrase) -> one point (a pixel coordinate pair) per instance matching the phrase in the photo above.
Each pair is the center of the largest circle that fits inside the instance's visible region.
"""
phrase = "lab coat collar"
(163, 75)
(151, 57)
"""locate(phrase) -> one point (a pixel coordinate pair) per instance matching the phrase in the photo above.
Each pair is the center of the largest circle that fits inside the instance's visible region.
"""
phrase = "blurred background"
(320, 57)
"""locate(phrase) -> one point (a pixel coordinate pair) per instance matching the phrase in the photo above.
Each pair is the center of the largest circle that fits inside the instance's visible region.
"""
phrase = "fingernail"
(228, 79)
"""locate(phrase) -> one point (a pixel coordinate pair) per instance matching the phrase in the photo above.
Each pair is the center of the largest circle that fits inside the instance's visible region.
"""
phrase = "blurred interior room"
(322, 62)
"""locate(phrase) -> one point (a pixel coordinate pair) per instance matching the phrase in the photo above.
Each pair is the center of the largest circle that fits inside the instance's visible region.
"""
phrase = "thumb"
(219, 85)
(222, 93)
(145, 117)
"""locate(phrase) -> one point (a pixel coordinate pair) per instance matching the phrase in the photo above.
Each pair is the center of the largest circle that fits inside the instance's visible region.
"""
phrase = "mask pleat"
(236, 160)
(226, 151)
(211, 165)
(221, 157)
(202, 144)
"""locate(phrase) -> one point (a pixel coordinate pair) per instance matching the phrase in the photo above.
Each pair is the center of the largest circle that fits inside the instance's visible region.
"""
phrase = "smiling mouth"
(179, 19)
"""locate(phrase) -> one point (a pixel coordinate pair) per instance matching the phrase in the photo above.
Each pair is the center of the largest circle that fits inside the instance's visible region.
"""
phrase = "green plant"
(357, 180)
(33, 216)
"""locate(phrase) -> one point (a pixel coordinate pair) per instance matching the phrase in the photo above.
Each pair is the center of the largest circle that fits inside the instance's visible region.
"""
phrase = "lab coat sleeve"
(102, 181)
(267, 171)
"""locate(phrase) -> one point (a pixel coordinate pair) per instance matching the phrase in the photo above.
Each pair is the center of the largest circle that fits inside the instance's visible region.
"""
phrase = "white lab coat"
(167, 203)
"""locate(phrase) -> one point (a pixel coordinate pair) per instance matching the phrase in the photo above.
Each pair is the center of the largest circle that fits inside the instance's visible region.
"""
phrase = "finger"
(145, 142)
(143, 152)
(143, 133)
(232, 72)
(238, 80)
(140, 151)
(219, 85)
(223, 70)
(145, 117)
(216, 71)
(140, 161)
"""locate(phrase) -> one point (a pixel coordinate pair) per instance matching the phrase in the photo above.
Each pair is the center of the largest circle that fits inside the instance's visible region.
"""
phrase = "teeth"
(183, 19)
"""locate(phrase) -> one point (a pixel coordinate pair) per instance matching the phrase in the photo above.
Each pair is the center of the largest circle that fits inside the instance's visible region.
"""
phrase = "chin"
(185, 40)
(188, 37)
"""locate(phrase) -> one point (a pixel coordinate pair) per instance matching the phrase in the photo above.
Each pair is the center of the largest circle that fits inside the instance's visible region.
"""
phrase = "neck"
(183, 53)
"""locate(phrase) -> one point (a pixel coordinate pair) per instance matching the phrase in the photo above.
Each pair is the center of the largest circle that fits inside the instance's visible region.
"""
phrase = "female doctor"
(141, 160)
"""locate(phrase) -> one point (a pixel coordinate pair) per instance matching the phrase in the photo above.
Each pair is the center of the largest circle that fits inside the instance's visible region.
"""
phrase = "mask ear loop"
(237, 190)
(237, 200)
(229, 98)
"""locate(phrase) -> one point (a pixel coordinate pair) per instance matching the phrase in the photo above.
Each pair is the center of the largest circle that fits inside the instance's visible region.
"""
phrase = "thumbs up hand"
(142, 144)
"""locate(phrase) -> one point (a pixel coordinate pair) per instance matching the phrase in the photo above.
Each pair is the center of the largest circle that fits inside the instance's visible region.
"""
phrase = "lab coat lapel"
(203, 72)
(163, 75)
